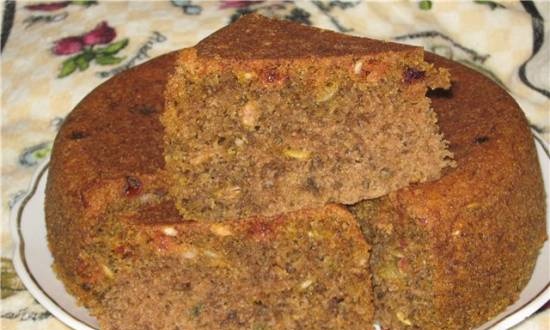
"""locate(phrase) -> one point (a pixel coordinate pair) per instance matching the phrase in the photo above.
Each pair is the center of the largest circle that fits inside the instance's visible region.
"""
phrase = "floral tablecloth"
(54, 53)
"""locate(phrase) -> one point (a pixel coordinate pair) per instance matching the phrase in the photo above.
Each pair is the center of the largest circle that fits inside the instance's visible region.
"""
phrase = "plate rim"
(20, 263)
(34, 288)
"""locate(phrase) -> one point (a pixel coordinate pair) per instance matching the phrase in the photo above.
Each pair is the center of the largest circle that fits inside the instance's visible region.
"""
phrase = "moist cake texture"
(304, 270)
(446, 254)
(277, 126)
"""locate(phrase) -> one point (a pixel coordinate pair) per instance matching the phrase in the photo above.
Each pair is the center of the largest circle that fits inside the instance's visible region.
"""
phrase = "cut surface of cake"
(302, 270)
(291, 117)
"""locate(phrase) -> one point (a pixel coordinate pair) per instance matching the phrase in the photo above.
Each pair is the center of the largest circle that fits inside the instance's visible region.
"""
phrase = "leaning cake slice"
(302, 270)
(268, 116)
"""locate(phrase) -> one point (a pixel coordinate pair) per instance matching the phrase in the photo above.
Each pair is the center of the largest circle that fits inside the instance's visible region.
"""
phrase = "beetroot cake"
(448, 253)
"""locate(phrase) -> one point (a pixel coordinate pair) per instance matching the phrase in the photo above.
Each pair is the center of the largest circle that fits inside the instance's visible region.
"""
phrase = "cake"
(449, 253)
(292, 117)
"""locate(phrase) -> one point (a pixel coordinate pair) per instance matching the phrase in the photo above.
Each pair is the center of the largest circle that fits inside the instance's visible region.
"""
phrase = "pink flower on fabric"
(67, 46)
(83, 50)
(237, 3)
(101, 34)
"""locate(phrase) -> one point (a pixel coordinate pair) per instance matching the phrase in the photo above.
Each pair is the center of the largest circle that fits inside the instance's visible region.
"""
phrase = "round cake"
(445, 254)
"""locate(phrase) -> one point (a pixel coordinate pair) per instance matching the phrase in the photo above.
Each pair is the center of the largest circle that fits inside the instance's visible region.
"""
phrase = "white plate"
(32, 260)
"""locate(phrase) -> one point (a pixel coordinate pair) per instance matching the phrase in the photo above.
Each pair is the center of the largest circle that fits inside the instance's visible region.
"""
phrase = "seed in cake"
(297, 154)
(189, 254)
(362, 262)
(239, 142)
(401, 317)
(249, 114)
(107, 271)
(200, 158)
(170, 231)
(357, 67)
(305, 284)
(244, 77)
(473, 205)
(211, 254)
(327, 92)
(220, 230)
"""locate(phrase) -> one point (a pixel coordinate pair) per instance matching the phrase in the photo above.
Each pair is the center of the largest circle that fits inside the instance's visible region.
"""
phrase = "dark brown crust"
(286, 40)
(486, 218)
(111, 135)
(118, 134)
(483, 222)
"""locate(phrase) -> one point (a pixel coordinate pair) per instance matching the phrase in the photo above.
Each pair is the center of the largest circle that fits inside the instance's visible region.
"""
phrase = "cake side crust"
(482, 223)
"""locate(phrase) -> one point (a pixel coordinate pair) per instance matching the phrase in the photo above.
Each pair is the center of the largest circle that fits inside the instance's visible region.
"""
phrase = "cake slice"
(302, 270)
(266, 117)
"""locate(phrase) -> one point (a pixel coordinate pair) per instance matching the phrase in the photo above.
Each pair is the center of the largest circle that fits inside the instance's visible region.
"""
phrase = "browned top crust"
(114, 133)
(487, 217)
(247, 39)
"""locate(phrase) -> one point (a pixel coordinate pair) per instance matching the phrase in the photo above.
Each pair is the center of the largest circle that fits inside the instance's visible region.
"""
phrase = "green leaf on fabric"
(88, 55)
(82, 63)
(113, 48)
(102, 59)
(68, 67)
(425, 5)
(86, 3)
(42, 153)
(492, 4)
